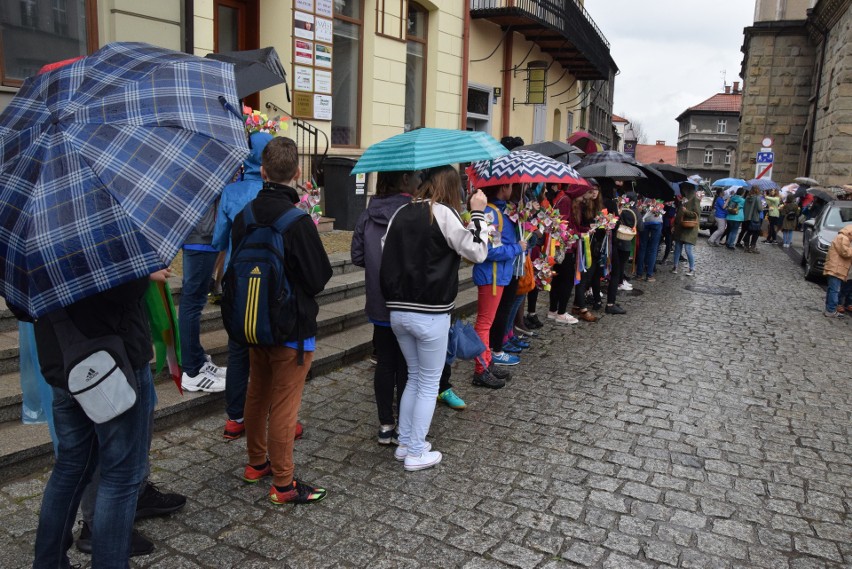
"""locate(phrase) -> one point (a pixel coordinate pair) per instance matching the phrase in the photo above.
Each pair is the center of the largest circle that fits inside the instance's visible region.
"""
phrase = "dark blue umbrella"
(763, 184)
(106, 165)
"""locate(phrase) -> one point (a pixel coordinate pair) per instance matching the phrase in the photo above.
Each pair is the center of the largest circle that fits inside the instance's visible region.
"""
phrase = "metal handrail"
(307, 139)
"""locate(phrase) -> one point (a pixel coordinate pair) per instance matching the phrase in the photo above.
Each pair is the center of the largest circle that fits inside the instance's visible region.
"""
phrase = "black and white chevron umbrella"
(522, 167)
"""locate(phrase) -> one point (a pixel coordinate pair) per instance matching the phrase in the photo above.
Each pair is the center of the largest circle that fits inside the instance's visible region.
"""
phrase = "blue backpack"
(258, 301)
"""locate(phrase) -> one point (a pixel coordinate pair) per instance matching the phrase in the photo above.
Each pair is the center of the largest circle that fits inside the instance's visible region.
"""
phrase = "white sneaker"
(690, 273)
(213, 369)
(625, 286)
(204, 381)
(565, 319)
(551, 315)
(426, 460)
(401, 452)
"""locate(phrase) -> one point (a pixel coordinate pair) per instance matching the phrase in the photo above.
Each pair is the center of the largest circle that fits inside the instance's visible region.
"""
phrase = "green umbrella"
(428, 147)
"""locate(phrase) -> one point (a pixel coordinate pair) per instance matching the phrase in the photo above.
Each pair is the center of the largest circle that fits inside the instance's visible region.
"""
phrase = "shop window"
(415, 66)
(346, 76)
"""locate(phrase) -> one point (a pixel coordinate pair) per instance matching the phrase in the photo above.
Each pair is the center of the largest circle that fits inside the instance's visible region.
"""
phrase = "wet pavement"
(699, 430)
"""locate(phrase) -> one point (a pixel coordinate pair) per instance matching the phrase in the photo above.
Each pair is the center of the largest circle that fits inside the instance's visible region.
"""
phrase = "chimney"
(661, 143)
(727, 89)
(736, 87)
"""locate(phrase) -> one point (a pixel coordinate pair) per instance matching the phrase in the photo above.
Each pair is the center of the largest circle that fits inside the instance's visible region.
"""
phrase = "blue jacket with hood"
(367, 250)
(501, 257)
(237, 195)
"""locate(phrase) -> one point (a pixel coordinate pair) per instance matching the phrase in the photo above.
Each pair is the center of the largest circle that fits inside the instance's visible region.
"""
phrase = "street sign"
(765, 157)
(765, 161)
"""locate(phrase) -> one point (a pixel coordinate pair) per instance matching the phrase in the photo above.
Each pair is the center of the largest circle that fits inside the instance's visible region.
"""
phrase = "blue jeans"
(236, 379)
(689, 256)
(649, 243)
(423, 341)
(120, 448)
(197, 273)
(733, 230)
(839, 293)
(513, 311)
(788, 237)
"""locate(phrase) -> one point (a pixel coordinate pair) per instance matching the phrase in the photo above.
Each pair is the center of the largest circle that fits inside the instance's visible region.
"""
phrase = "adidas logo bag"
(97, 370)
(257, 297)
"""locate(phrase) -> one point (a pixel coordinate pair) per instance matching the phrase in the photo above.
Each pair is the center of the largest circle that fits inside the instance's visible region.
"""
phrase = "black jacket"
(305, 259)
(420, 256)
(119, 310)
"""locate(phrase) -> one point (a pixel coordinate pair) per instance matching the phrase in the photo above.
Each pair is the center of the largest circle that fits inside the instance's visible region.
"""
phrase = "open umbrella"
(763, 184)
(608, 156)
(654, 185)
(522, 167)
(728, 182)
(106, 165)
(255, 69)
(550, 148)
(822, 193)
(427, 147)
(669, 172)
(585, 142)
(613, 170)
(806, 181)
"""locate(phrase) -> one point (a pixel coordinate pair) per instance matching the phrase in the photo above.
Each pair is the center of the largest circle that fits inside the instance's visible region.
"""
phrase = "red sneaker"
(299, 431)
(252, 474)
(297, 493)
(234, 429)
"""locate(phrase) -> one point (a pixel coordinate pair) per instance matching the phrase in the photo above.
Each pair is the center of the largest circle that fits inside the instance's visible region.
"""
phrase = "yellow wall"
(156, 22)
(484, 38)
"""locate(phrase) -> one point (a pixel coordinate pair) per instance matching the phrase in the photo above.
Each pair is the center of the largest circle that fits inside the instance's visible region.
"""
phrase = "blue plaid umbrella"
(427, 147)
(106, 165)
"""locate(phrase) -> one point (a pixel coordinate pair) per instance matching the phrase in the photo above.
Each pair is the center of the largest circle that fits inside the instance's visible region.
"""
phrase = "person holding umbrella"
(422, 250)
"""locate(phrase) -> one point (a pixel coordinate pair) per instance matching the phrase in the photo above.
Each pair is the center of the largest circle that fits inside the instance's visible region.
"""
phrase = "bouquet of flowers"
(604, 220)
(543, 273)
(310, 201)
(255, 121)
(655, 207)
(624, 201)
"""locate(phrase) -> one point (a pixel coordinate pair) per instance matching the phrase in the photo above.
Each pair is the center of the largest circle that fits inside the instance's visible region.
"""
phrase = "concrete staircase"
(344, 336)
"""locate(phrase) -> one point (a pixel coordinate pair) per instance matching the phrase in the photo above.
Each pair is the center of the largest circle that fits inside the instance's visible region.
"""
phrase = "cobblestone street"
(699, 430)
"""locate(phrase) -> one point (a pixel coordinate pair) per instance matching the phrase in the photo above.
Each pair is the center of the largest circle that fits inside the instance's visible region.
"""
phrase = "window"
(415, 66)
(479, 107)
(346, 75)
(728, 157)
(36, 33)
(722, 126)
(708, 155)
(570, 130)
(60, 17)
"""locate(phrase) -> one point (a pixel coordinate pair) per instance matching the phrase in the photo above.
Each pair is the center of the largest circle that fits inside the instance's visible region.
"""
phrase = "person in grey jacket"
(393, 190)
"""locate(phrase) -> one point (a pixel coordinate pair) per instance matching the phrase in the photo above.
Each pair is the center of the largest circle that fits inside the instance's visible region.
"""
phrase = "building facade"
(707, 134)
(360, 71)
(798, 70)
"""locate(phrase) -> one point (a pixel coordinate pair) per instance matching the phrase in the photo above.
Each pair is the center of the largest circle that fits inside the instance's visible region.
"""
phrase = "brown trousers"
(274, 395)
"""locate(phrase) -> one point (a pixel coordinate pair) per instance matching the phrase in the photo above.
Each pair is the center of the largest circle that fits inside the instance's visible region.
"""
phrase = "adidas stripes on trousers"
(274, 395)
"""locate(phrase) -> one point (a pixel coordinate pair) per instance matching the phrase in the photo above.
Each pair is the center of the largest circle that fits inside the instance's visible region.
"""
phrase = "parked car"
(708, 215)
(818, 233)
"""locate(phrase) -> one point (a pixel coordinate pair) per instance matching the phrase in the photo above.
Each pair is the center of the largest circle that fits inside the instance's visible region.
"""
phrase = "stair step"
(24, 448)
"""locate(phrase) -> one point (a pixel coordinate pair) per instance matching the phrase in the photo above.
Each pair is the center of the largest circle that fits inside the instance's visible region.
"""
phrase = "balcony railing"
(567, 17)
(311, 142)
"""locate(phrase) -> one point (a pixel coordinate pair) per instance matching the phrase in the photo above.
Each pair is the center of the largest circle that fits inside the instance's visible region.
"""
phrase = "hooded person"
(837, 268)
(234, 199)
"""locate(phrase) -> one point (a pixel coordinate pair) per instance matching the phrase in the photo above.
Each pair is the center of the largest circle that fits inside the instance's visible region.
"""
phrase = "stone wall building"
(797, 68)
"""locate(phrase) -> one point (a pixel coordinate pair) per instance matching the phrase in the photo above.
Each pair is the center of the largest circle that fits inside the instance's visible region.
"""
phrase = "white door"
(539, 123)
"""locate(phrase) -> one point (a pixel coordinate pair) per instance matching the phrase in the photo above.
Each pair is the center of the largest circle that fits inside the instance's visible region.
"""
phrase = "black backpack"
(258, 300)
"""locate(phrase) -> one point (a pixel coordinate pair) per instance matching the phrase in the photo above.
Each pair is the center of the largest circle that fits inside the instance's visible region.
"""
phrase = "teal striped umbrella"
(428, 147)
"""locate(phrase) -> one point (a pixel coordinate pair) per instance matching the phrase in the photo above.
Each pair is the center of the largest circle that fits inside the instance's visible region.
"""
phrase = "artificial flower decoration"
(255, 121)
(310, 201)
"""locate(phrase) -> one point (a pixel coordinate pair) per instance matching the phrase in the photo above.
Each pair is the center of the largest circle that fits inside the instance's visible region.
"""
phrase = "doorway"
(236, 27)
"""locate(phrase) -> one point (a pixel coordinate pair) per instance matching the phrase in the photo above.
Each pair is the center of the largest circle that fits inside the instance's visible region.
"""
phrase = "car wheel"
(810, 272)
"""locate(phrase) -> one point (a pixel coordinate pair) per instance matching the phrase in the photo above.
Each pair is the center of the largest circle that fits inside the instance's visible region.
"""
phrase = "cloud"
(671, 55)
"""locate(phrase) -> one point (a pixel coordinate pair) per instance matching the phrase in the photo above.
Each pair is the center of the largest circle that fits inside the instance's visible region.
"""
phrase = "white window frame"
(722, 126)
(728, 154)
(708, 155)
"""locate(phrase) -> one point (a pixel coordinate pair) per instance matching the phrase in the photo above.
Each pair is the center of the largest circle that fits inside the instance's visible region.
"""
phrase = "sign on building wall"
(765, 161)
(312, 59)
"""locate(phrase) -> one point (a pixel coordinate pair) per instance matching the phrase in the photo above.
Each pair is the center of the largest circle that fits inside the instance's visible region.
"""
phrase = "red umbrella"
(585, 142)
(522, 167)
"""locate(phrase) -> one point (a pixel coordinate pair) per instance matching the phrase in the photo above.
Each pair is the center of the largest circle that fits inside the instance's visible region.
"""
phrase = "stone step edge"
(172, 409)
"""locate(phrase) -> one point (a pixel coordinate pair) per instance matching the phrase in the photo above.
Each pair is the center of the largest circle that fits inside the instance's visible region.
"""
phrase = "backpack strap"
(287, 218)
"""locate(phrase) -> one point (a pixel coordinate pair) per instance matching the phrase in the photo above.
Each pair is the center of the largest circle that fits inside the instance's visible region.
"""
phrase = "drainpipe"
(508, 46)
(189, 26)
(465, 64)
(812, 134)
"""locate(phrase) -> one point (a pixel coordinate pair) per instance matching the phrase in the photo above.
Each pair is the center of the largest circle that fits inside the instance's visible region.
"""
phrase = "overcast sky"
(671, 55)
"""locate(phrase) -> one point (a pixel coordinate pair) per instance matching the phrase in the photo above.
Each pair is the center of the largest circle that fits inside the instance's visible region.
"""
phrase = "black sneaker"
(139, 544)
(614, 309)
(532, 322)
(388, 435)
(500, 373)
(487, 379)
(152, 502)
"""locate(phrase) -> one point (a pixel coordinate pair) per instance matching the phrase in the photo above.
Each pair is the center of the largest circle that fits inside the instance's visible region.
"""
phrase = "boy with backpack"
(278, 265)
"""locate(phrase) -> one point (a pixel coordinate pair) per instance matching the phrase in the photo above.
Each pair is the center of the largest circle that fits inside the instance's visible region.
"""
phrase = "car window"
(837, 217)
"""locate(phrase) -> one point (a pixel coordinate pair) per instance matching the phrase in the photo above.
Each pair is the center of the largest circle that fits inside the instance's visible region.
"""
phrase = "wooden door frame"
(248, 36)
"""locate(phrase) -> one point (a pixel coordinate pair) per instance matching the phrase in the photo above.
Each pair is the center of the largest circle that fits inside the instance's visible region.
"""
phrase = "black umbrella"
(823, 194)
(669, 172)
(607, 156)
(551, 148)
(255, 69)
(654, 185)
(612, 170)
